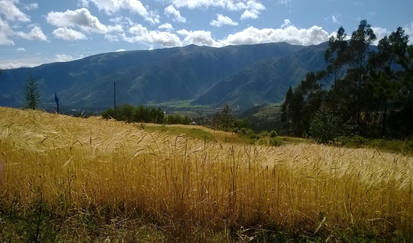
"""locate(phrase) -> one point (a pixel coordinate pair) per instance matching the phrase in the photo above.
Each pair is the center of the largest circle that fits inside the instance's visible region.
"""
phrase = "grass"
(74, 179)
(387, 145)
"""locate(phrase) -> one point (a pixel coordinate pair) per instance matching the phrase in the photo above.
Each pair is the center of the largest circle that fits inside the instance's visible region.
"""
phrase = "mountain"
(242, 76)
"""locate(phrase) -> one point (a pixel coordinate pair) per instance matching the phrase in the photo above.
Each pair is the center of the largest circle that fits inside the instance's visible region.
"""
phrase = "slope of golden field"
(184, 185)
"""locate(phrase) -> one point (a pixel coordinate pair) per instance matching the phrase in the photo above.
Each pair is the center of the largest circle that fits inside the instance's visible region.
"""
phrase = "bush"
(353, 141)
(273, 134)
(324, 127)
(140, 113)
(108, 114)
(276, 141)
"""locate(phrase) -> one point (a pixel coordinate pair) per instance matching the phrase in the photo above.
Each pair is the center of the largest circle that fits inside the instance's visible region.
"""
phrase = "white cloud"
(232, 5)
(31, 6)
(9, 10)
(76, 18)
(222, 20)
(198, 37)
(380, 33)
(113, 6)
(10, 64)
(288, 33)
(5, 32)
(68, 34)
(63, 58)
(334, 19)
(172, 11)
(120, 50)
(83, 20)
(152, 37)
(35, 34)
(253, 10)
(286, 23)
(166, 27)
(409, 31)
(20, 49)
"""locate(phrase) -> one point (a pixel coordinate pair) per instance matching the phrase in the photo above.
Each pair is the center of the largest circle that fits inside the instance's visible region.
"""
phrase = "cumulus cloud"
(35, 33)
(287, 33)
(140, 33)
(5, 32)
(81, 19)
(251, 8)
(232, 5)
(68, 34)
(222, 20)
(172, 11)
(63, 58)
(380, 33)
(9, 10)
(113, 6)
(198, 37)
(166, 27)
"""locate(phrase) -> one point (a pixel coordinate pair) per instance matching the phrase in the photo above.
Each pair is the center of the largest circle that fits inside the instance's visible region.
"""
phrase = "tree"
(32, 93)
(224, 119)
(336, 53)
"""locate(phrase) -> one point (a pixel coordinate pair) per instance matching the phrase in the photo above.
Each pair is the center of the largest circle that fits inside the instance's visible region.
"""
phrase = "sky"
(37, 32)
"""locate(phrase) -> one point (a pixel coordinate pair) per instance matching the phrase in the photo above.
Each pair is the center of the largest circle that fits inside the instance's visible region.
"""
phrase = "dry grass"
(183, 185)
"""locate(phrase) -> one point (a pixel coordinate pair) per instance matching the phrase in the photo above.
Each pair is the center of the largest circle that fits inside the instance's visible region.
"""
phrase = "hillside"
(243, 76)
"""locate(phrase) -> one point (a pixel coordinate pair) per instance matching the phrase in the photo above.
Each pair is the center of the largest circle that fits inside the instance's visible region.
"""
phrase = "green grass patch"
(387, 145)
(180, 130)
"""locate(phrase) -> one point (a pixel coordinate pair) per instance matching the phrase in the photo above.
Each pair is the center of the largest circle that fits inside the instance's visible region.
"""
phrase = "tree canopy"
(372, 92)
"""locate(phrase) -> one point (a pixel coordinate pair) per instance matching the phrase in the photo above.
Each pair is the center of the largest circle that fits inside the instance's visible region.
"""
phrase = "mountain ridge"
(163, 75)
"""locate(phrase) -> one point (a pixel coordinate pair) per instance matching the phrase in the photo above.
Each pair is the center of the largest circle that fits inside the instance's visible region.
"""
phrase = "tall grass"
(85, 166)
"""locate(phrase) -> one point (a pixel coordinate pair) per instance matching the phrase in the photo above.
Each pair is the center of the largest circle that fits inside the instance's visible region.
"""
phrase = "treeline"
(130, 113)
(371, 94)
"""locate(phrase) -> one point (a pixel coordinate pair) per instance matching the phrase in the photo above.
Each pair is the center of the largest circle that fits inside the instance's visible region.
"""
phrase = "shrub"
(273, 134)
(276, 141)
(324, 127)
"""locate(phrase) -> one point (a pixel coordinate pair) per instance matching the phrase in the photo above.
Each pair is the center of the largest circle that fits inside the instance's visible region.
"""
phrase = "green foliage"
(390, 145)
(224, 120)
(273, 134)
(129, 113)
(32, 95)
(276, 141)
(372, 95)
(324, 126)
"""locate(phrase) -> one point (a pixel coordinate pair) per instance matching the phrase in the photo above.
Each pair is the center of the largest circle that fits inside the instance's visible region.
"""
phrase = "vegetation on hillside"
(372, 93)
(141, 113)
(74, 179)
(32, 95)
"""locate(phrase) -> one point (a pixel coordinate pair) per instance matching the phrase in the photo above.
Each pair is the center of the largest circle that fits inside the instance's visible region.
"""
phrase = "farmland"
(72, 179)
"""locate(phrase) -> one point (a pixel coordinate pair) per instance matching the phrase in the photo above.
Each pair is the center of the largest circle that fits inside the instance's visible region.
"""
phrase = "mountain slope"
(264, 82)
(241, 75)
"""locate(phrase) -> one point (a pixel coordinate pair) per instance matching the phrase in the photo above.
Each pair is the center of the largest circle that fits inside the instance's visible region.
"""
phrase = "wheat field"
(78, 165)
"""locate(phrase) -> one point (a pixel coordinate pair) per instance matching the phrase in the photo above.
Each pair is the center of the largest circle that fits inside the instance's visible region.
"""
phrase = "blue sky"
(36, 32)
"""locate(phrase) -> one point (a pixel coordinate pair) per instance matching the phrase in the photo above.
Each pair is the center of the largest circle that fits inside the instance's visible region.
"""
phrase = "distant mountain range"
(241, 76)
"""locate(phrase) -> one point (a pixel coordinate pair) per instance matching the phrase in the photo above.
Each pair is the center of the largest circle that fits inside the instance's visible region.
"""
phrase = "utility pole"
(114, 95)
(56, 99)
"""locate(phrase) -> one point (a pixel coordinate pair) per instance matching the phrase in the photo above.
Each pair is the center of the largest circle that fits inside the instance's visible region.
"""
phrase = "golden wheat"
(183, 182)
